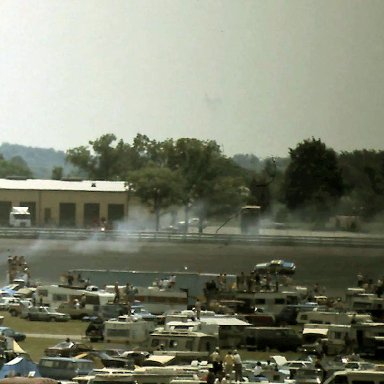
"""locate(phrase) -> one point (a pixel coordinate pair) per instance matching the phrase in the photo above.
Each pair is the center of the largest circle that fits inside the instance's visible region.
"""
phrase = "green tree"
(157, 187)
(104, 159)
(313, 180)
(57, 173)
(15, 167)
(208, 176)
(363, 175)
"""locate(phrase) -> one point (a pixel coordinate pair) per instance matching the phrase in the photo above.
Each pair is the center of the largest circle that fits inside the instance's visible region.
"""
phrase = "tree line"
(312, 185)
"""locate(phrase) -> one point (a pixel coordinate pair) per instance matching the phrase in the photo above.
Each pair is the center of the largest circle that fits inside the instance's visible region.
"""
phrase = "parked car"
(68, 348)
(45, 314)
(4, 302)
(64, 368)
(309, 375)
(18, 306)
(75, 313)
(9, 332)
(294, 366)
(95, 330)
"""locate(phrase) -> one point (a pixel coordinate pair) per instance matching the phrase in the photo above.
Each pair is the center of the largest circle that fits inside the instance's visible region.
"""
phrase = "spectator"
(228, 363)
(238, 366)
(211, 376)
(198, 309)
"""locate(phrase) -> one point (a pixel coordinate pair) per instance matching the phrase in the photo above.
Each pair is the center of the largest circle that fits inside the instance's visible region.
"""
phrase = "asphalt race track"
(335, 268)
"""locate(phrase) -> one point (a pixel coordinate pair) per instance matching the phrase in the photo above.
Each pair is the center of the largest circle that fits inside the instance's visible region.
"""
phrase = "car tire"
(13, 313)
(52, 319)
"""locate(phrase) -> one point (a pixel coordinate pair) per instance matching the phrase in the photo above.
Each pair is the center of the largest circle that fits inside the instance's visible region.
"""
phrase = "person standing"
(211, 376)
(198, 309)
(215, 359)
(117, 293)
(228, 363)
(238, 366)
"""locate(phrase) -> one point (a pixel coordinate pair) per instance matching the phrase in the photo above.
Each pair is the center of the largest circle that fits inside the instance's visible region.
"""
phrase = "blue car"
(64, 368)
(9, 332)
(282, 267)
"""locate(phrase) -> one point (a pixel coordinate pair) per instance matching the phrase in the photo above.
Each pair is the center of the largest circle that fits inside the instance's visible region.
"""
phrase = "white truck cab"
(20, 217)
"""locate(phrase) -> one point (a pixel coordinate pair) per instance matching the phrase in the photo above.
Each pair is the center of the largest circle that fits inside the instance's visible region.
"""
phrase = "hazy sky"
(257, 76)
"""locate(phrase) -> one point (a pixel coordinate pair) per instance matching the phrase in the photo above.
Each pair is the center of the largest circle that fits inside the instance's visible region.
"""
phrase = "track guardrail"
(144, 236)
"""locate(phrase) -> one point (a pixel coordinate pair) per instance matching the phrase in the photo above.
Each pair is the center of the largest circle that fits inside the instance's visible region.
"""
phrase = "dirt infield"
(335, 268)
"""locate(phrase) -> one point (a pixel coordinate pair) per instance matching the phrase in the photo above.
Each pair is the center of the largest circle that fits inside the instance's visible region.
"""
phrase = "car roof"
(60, 358)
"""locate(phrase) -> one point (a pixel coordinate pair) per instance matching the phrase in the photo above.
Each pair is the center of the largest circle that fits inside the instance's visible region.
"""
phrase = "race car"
(282, 267)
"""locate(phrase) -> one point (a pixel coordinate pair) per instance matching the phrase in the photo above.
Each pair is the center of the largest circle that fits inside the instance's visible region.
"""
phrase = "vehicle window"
(292, 300)
(118, 332)
(42, 292)
(189, 345)
(68, 365)
(59, 297)
(155, 342)
(46, 363)
(338, 335)
(340, 379)
(173, 343)
(280, 300)
(259, 301)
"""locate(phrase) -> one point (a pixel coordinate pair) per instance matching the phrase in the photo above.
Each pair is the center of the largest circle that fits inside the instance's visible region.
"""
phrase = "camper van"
(270, 301)
(155, 299)
(20, 217)
(229, 329)
(265, 338)
(331, 317)
(127, 329)
(184, 340)
(54, 295)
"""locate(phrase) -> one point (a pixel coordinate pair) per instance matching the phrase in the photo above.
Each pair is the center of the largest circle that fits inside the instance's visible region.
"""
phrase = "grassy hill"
(40, 161)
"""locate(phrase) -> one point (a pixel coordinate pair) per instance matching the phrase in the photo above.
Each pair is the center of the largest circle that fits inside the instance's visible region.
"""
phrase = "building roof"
(61, 185)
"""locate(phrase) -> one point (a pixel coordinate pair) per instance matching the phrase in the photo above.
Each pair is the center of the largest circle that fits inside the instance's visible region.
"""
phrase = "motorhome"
(183, 339)
(271, 301)
(157, 299)
(357, 299)
(20, 217)
(265, 338)
(128, 330)
(161, 373)
(369, 338)
(54, 295)
(364, 338)
(330, 317)
(228, 328)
